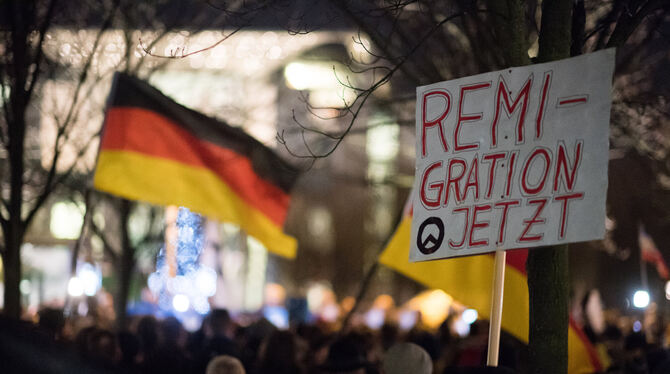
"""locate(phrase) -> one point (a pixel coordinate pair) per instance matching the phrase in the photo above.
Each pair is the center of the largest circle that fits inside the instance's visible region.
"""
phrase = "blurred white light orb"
(75, 287)
(205, 281)
(469, 316)
(25, 286)
(180, 303)
(641, 299)
(90, 279)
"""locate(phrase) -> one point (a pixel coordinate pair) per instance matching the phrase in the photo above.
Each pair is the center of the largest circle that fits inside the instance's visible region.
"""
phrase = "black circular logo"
(430, 243)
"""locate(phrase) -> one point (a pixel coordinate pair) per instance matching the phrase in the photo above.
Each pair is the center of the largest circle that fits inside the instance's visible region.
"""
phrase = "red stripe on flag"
(517, 259)
(148, 133)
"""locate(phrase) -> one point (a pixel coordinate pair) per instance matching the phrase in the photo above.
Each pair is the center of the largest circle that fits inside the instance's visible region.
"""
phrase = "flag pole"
(496, 308)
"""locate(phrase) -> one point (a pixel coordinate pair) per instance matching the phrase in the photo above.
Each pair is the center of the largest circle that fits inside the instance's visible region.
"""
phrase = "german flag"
(469, 280)
(155, 150)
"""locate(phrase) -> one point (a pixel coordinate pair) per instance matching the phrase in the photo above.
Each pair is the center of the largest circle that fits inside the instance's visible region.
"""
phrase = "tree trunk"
(548, 267)
(13, 230)
(510, 26)
(12, 275)
(555, 36)
(14, 227)
(548, 323)
(126, 265)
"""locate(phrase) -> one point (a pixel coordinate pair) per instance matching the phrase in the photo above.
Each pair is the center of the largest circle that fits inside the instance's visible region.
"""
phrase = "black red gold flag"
(156, 150)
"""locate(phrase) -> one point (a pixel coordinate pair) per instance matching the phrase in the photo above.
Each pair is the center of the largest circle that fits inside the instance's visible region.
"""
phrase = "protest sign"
(512, 159)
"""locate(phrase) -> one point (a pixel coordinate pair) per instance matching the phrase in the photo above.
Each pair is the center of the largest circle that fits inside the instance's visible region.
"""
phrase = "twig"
(180, 52)
(362, 98)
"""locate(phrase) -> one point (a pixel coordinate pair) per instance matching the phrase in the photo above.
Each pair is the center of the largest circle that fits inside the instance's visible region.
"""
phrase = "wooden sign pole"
(496, 308)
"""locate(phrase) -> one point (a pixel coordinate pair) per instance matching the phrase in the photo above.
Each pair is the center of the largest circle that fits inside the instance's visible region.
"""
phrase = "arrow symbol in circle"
(430, 240)
(431, 243)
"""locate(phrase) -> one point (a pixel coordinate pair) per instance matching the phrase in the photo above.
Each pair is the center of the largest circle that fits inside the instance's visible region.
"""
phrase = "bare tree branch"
(228, 10)
(62, 133)
(629, 20)
(151, 45)
(56, 180)
(86, 68)
(354, 108)
(106, 245)
(40, 47)
(379, 40)
(181, 52)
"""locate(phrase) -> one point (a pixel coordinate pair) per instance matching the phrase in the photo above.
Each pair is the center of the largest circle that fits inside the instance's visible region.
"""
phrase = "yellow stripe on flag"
(579, 361)
(164, 182)
(469, 280)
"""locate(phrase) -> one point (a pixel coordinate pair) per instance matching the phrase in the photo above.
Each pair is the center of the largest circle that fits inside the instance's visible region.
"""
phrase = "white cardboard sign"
(513, 158)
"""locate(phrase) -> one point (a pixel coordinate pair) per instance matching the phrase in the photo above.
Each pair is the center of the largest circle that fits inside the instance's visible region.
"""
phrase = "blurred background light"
(66, 220)
(383, 302)
(461, 327)
(25, 286)
(191, 323)
(330, 313)
(180, 303)
(318, 295)
(275, 294)
(90, 277)
(434, 306)
(155, 283)
(201, 305)
(641, 299)
(205, 281)
(469, 316)
(407, 319)
(374, 318)
(277, 315)
(310, 75)
(326, 82)
(75, 287)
